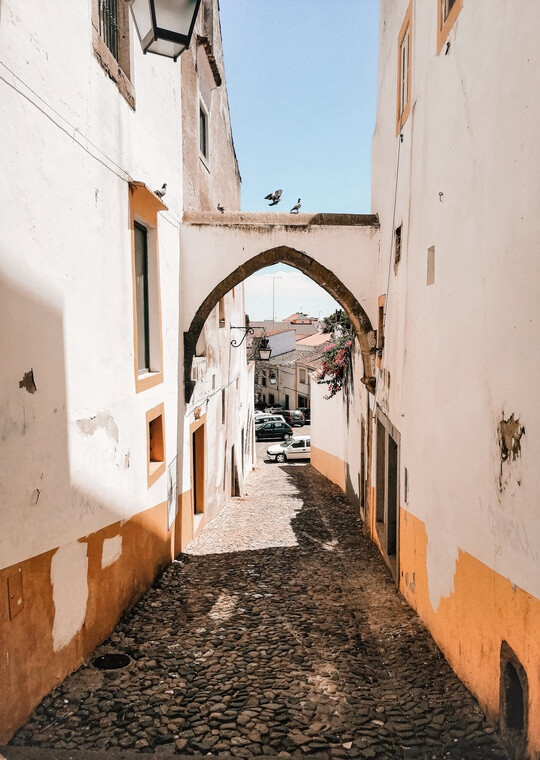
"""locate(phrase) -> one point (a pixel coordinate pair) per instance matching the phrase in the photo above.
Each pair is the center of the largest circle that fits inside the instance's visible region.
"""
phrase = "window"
(141, 296)
(271, 398)
(155, 443)
(298, 445)
(303, 376)
(110, 37)
(397, 245)
(404, 70)
(221, 312)
(302, 402)
(380, 328)
(263, 381)
(148, 352)
(203, 131)
(447, 13)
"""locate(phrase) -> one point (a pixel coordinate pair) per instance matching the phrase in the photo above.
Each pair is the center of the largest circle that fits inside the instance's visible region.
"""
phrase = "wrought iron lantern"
(264, 349)
(273, 378)
(165, 26)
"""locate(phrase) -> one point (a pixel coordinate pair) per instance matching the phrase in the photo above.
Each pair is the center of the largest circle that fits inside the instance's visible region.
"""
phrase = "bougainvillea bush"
(336, 361)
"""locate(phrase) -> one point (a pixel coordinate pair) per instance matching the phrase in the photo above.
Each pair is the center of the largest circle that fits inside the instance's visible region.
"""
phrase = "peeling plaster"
(28, 382)
(510, 434)
(100, 420)
(112, 550)
(69, 579)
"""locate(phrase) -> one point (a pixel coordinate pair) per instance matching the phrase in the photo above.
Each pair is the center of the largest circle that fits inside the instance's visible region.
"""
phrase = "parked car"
(293, 417)
(260, 419)
(298, 447)
(275, 409)
(272, 431)
(307, 414)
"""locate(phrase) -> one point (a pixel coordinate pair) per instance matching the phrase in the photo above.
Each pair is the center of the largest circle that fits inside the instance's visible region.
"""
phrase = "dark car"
(293, 417)
(307, 415)
(273, 431)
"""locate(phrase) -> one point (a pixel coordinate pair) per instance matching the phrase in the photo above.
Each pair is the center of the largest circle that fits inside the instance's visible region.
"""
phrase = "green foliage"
(338, 319)
(337, 353)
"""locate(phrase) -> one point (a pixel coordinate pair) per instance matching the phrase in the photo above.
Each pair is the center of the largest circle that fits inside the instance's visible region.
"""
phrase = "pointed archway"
(318, 273)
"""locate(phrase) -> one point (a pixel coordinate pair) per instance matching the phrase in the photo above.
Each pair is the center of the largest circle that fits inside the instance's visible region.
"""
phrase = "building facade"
(96, 445)
(442, 458)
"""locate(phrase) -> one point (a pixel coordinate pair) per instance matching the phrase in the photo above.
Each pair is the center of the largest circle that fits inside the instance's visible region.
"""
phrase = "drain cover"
(112, 661)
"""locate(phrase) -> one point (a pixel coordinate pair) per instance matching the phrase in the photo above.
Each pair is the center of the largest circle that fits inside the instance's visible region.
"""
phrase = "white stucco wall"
(226, 370)
(70, 143)
(462, 352)
(350, 252)
(282, 342)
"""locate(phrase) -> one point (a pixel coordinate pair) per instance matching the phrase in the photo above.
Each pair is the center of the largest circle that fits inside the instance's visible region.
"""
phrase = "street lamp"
(164, 26)
(264, 349)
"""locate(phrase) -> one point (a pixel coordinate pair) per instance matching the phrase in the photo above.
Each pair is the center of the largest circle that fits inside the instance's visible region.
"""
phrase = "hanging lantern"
(165, 26)
(264, 349)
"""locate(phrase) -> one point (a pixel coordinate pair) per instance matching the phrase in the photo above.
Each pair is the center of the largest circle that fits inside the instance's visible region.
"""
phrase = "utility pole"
(274, 278)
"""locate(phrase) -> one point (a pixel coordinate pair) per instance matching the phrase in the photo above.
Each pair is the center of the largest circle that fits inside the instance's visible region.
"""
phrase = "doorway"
(235, 483)
(198, 467)
(387, 491)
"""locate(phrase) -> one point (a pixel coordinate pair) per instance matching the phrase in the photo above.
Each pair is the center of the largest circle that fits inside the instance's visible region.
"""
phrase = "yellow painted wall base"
(469, 625)
(329, 465)
(29, 666)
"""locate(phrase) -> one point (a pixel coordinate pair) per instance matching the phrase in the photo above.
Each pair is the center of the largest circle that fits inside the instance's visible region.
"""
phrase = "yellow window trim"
(403, 113)
(154, 469)
(145, 205)
(443, 29)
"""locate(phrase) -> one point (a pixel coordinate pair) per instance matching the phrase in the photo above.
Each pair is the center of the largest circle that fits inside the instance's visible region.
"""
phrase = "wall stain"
(100, 420)
(28, 382)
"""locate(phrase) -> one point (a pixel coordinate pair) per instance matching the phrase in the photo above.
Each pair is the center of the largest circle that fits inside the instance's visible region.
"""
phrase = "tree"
(338, 319)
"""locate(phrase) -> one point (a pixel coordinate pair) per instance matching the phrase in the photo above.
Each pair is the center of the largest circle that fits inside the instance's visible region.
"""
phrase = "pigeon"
(296, 208)
(161, 193)
(221, 208)
(275, 197)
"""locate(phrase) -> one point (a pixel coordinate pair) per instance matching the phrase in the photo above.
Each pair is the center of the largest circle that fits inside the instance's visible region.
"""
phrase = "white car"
(298, 447)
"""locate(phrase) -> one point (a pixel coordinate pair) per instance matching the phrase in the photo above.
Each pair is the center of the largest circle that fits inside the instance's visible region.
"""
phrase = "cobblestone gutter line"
(280, 633)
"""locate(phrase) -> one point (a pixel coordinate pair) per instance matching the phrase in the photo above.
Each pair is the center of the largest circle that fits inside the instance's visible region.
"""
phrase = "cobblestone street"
(279, 632)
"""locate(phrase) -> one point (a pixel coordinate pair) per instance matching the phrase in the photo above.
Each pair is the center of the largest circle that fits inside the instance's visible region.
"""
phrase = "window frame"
(403, 109)
(143, 210)
(155, 468)
(444, 25)
(204, 118)
(118, 68)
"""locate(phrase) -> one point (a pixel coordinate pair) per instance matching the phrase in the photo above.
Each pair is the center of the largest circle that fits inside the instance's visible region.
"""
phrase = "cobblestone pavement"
(278, 633)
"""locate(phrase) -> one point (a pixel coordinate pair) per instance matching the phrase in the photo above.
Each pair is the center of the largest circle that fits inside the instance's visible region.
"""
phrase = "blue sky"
(302, 78)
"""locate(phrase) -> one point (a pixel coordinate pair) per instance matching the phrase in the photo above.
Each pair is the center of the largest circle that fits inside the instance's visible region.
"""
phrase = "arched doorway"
(313, 269)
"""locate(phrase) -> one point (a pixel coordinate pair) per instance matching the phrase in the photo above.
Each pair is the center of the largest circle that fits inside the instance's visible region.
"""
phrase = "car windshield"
(285, 444)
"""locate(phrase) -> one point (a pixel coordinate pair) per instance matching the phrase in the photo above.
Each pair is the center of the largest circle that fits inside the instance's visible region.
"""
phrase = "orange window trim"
(155, 469)
(402, 113)
(443, 28)
(144, 205)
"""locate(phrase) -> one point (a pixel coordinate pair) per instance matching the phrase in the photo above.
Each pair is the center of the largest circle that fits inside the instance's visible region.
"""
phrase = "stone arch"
(313, 269)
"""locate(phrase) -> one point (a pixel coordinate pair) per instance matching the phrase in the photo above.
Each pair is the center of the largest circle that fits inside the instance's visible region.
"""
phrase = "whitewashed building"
(443, 458)
(96, 446)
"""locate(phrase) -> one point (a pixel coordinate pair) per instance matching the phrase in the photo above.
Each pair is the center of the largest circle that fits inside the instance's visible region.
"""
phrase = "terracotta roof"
(317, 339)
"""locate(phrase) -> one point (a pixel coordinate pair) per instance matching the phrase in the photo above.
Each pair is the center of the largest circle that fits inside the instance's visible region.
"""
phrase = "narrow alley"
(279, 632)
